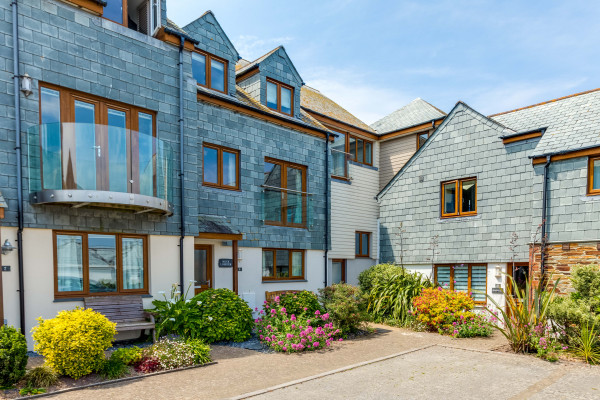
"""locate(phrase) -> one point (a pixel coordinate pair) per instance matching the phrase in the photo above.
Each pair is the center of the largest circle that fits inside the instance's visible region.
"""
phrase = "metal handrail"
(287, 190)
(339, 151)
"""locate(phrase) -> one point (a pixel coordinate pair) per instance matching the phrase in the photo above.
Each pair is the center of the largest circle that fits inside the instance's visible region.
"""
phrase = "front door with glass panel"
(338, 271)
(202, 268)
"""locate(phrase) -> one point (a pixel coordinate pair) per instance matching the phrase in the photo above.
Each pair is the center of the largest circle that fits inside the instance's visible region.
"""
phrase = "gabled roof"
(414, 113)
(210, 18)
(174, 28)
(572, 122)
(313, 100)
(256, 63)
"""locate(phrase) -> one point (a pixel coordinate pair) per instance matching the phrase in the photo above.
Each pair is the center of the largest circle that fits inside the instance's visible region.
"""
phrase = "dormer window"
(280, 97)
(209, 71)
(140, 15)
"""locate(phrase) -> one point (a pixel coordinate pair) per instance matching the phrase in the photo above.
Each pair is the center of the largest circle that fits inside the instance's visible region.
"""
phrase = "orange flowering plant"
(442, 309)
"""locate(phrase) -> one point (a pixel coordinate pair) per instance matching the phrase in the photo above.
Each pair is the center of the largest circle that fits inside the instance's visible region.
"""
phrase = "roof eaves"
(515, 134)
(411, 126)
(372, 132)
(177, 31)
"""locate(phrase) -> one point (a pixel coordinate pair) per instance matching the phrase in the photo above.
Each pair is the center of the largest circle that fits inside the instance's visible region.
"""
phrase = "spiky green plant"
(526, 309)
(587, 344)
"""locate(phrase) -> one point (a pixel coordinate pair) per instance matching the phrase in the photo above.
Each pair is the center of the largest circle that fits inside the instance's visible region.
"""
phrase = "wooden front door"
(203, 268)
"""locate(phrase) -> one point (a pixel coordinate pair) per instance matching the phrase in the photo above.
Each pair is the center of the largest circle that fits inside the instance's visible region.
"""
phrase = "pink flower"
(293, 317)
(280, 343)
(293, 326)
(277, 299)
(316, 344)
(308, 322)
(268, 339)
(302, 341)
(340, 340)
(273, 311)
(284, 348)
(261, 337)
(317, 312)
(289, 336)
(305, 308)
(283, 310)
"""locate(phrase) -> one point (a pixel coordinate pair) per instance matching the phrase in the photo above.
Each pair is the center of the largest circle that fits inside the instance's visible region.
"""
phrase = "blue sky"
(373, 57)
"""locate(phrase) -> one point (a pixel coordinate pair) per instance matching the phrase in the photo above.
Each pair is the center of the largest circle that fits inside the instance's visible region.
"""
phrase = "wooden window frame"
(208, 70)
(284, 166)
(470, 265)
(86, 267)
(67, 115)
(290, 277)
(220, 150)
(419, 136)
(343, 262)
(590, 190)
(125, 15)
(458, 184)
(360, 254)
(279, 86)
(355, 159)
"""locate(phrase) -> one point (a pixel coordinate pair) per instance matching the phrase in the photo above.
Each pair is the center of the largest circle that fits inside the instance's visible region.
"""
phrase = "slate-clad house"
(471, 200)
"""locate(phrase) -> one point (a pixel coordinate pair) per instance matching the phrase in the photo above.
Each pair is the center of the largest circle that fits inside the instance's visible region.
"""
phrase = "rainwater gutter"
(544, 218)
(181, 166)
(327, 216)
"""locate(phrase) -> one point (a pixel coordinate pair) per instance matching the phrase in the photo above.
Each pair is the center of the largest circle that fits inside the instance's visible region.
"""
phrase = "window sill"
(285, 226)
(459, 218)
(68, 299)
(346, 181)
(231, 189)
(364, 165)
(284, 280)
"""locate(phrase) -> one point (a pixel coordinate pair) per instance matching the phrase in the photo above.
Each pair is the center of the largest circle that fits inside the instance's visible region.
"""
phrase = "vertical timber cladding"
(561, 258)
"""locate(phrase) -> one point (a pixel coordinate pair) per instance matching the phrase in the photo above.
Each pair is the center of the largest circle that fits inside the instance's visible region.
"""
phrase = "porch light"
(498, 271)
(26, 85)
(7, 247)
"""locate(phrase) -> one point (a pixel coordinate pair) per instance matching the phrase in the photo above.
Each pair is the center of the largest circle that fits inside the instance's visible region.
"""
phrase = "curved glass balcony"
(98, 165)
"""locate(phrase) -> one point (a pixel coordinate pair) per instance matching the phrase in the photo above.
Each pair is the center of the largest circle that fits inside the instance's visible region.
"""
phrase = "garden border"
(110, 382)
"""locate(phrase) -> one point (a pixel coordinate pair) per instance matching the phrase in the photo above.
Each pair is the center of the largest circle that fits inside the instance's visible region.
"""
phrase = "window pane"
(272, 177)
(443, 277)
(368, 153)
(200, 267)
(210, 165)
(217, 75)
(50, 138)
(199, 68)
(449, 206)
(282, 258)
(478, 282)
(461, 278)
(229, 169)
(117, 151)
(286, 100)
(338, 154)
(69, 262)
(352, 148)
(272, 173)
(357, 244)
(85, 145)
(294, 200)
(365, 244)
(271, 95)
(336, 271)
(102, 254)
(469, 196)
(359, 150)
(267, 270)
(422, 139)
(596, 176)
(113, 10)
(133, 263)
(146, 154)
(297, 263)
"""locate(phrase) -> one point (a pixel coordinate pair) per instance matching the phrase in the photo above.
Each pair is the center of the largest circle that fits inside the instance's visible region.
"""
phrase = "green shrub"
(40, 377)
(74, 342)
(587, 344)
(128, 355)
(391, 296)
(213, 315)
(586, 281)
(345, 305)
(370, 277)
(13, 355)
(200, 350)
(299, 303)
(441, 309)
(171, 353)
(113, 369)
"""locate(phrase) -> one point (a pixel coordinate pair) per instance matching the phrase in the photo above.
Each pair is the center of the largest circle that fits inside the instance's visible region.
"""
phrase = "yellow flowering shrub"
(439, 308)
(74, 342)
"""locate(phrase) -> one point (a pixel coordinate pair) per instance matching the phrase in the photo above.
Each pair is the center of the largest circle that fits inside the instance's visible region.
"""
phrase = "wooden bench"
(126, 311)
(270, 296)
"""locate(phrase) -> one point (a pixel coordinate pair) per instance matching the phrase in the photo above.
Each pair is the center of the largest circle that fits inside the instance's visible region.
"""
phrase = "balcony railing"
(286, 207)
(89, 164)
(340, 161)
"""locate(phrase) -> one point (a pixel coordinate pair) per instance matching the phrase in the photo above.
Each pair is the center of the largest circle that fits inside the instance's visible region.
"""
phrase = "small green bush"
(74, 342)
(171, 353)
(200, 350)
(127, 356)
(299, 303)
(345, 305)
(113, 369)
(586, 281)
(375, 274)
(40, 377)
(13, 355)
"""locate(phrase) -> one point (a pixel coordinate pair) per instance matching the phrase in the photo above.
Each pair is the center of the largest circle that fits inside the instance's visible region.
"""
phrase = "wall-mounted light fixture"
(26, 85)
(7, 247)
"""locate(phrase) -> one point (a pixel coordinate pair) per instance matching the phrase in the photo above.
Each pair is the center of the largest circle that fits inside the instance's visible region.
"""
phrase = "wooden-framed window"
(349, 147)
(594, 176)
(99, 264)
(220, 167)
(362, 244)
(283, 264)
(459, 198)
(421, 139)
(285, 196)
(209, 71)
(105, 145)
(338, 271)
(468, 278)
(280, 97)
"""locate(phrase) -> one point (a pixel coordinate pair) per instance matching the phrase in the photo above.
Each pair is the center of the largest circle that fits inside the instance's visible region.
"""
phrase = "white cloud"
(349, 89)
(251, 47)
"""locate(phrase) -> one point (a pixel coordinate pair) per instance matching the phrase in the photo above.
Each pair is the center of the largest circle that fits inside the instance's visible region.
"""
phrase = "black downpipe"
(327, 183)
(181, 157)
(544, 217)
(16, 76)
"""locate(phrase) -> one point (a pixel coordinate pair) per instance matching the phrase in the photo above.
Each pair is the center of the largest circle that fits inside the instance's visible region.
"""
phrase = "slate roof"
(176, 29)
(572, 123)
(2, 201)
(254, 63)
(216, 224)
(416, 112)
(241, 63)
(313, 100)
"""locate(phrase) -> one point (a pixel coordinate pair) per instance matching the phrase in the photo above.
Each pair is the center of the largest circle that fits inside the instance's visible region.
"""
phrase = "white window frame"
(155, 7)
